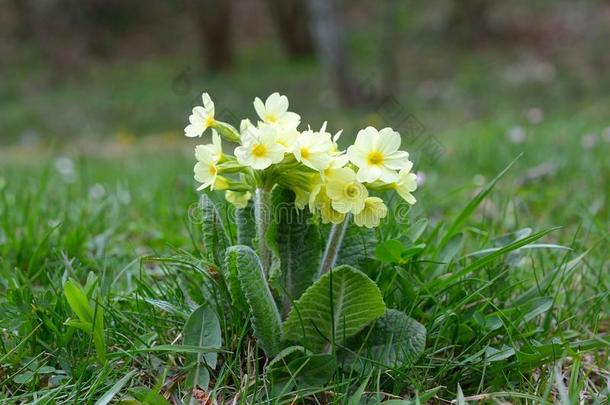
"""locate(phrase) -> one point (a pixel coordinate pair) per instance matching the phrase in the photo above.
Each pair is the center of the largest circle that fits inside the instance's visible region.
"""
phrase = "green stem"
(333, 245)
(262, 214)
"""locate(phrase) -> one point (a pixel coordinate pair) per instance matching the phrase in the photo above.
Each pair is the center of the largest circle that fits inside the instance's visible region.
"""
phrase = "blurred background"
(470, 84)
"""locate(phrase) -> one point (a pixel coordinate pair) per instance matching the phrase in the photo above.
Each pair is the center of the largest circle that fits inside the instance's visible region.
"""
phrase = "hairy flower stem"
(262, 214)
(333, 245)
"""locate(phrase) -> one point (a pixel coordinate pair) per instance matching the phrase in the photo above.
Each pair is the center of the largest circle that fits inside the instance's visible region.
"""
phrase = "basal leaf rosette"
(333, 184)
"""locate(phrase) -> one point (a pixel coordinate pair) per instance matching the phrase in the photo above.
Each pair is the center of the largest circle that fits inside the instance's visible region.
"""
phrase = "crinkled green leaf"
(295, 366)
(231, 276)
(295, 242)
(358, 244)
(246, 225)
(337, 306)
(395, 341)
(215, 238)
(266, 319)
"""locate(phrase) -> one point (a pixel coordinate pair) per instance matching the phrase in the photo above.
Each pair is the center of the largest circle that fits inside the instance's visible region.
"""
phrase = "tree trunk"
(468, 23)
(214, 22)
(327, 30)
(61, 29)
(291, 21)
(24, 26)
(390, 41)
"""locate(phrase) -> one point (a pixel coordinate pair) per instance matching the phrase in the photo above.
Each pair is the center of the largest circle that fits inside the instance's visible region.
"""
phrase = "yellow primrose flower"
(377, 156)
(287, 137)
(237, 198)
(370, 216)
(319, 200)
(314, 149)
(346, 192)
(336, 137)
(244, 125)
(221, 183)
(301, 197)
(329, 214)
(406, 184)
(216, 146)
(208, 156)
(201, 119)
(275, 111)
(337, 162)
(259, 148)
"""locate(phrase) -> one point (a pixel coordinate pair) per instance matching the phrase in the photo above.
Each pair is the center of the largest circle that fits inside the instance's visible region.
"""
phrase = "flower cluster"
(327, 180)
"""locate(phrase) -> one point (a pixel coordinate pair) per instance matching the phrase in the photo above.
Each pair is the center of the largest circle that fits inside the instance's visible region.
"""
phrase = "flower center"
(213, 170)
(375, 158)
(352, 190)
(259, 150)
(305, 153)
(210, 121)
(271, 118)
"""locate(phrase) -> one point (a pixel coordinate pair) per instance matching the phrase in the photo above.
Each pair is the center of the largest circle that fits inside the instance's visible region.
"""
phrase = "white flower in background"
(65, 166)
(67, 169)
(201, 119)
(238, 198)
(97, 191)
(421, 178)
(406, 184)
(479, 180)
(314, 149)
(346, 192)
(516, 135)
(534, 115)
(588, 141)
(259, 148)
(377, 156)
(275, 111)
(374, 210)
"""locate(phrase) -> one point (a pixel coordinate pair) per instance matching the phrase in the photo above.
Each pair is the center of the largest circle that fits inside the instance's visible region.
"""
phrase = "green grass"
(528, 326)
(57, 226)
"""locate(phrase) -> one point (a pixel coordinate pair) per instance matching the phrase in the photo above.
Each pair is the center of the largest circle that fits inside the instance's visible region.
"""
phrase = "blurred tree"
(327, 30)
(61, 29)
(291, 21)
(112, 20)
(468, 23)
(23, 24)
(214, 22)
(390, 41)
